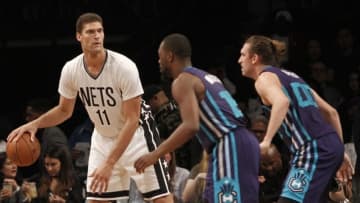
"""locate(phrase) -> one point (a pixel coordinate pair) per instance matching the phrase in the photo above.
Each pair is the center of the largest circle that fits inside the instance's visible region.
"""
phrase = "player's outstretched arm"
(183, 91)
(54, 116)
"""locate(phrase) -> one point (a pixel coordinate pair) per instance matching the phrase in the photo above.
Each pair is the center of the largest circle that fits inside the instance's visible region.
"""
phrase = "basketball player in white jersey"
(109, 86)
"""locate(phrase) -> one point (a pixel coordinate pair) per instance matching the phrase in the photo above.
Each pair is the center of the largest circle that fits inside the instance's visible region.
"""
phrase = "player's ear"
(78, 36)
(170, 56)
(254, 58)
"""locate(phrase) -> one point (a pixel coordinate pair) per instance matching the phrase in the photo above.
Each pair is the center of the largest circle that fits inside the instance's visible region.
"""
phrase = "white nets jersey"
(103, 95)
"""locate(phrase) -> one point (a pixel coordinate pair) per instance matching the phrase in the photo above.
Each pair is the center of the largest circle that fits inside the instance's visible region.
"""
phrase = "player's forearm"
(53, 117)
(333, 118)
(122, 141)
(278, 114)
(180, 136)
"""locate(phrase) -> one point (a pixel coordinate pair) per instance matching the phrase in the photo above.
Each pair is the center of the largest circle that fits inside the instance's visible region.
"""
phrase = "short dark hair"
(150, 91)
(87, 18)
(179, 44)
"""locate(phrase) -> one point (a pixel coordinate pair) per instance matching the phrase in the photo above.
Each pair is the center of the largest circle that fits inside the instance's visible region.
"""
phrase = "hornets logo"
(227, 193)
(297, 182)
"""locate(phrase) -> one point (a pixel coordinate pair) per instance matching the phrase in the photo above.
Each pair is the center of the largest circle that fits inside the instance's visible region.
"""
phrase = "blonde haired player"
(306, 123)
(109, 86)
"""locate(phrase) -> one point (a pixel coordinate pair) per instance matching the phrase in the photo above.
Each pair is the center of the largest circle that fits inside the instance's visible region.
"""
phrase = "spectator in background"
(321, 79)
(258, 126)
(353, 86)
(58, 182)
(11, 190)
(195, 184)
(283, 31)
(313, 52)
(165, 110)
(220, 72)
(272, 175)
(345, 54)
(178, 176)
(348, 108)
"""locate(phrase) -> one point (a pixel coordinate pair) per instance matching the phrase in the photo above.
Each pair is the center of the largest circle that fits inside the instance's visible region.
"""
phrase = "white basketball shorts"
(153, 183)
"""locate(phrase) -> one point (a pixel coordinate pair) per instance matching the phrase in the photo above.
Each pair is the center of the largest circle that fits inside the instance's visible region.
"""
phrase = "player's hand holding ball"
(23, 151)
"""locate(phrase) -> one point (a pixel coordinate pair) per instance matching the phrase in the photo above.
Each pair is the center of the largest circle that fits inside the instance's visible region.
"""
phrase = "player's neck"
(94, 63)
(178, 66)
(95, 60)
(181, 65)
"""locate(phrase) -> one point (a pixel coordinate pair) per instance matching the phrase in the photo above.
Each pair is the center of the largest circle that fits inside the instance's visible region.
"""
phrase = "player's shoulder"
(119, 62)
(74, 61)
(117, 57)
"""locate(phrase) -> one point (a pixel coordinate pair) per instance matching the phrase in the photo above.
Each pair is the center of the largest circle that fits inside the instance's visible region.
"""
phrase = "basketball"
(23, 152)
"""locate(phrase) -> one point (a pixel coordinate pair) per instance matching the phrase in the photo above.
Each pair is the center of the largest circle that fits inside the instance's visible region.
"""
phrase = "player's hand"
(264, 146)
(100, 178)
(145, 161)
(28, 127)
(346, 170)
